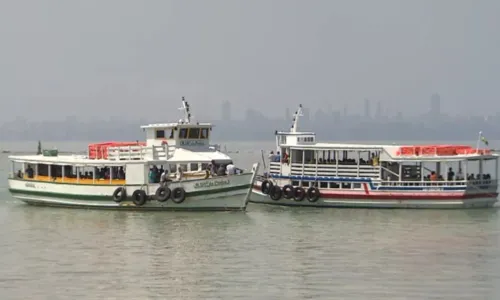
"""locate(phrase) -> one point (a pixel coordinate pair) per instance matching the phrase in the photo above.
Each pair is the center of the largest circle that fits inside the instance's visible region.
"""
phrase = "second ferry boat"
(304, 172)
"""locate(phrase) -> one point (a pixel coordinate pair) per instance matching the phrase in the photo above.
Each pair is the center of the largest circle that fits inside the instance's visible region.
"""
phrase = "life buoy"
(288, 191)
(312, 194)
(178, 195)
(162, 194)
(299, 194)
(139, 197)
(275, 193)
(119, 194)
(266, 187)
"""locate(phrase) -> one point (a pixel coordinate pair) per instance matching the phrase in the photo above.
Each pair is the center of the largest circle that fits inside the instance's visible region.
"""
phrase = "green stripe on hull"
(109, 197)
(135, 208)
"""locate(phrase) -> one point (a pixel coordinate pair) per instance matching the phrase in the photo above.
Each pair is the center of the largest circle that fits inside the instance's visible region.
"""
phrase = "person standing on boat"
(180, 173)
(230, 169)
(451, 174)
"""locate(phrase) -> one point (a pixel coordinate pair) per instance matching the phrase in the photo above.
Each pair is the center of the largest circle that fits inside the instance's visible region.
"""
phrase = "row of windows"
(307, 139)
(184, 133)
(328, 185)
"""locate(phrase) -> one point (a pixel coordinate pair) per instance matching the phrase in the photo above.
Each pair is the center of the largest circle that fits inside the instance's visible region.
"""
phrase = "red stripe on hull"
(400, 196)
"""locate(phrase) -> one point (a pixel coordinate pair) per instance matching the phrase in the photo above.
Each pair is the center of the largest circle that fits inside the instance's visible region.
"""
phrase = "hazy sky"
(137, 58)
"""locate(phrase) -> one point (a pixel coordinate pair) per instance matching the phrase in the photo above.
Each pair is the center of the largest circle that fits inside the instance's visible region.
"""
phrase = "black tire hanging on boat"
(288, 191)
(139, 197)
(299, 194)
(266, 187)
(313, 194)
(178, 195)
(162, 194)
(275, 193)
(119, 194)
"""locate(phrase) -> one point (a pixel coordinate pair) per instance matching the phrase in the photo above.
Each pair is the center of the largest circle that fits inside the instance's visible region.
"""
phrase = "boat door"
(285, 161)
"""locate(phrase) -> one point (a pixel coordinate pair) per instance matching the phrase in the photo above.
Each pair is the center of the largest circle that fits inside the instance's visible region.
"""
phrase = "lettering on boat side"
(208, 184)
(192, 143)
(30, 185)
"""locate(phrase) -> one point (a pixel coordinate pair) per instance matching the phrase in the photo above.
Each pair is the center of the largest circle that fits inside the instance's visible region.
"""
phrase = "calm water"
(265, 253)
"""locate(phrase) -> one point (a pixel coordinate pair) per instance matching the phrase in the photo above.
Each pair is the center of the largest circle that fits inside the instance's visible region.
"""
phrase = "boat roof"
(391, 150)
(176, 124)
(180, 155)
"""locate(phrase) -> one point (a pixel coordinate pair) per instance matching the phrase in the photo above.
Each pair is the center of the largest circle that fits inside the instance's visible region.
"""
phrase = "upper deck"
(295, 140)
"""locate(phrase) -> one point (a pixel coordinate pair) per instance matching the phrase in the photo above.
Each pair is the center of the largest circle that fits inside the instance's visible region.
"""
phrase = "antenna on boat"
(187, 112)
(296, 116)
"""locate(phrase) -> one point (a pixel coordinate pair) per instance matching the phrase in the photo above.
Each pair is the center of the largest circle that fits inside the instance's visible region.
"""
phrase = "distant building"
(367, 109)
(378, 111)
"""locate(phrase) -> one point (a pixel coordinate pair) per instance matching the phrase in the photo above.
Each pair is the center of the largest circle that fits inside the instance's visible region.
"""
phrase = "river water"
(264, 253)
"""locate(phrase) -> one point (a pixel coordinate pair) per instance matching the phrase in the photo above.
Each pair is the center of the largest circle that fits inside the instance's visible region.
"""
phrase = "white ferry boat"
(129, 175)
(304, 172)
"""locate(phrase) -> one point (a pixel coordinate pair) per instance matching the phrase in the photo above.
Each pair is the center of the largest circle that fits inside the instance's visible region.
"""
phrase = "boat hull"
(455, 200)
(226, 193)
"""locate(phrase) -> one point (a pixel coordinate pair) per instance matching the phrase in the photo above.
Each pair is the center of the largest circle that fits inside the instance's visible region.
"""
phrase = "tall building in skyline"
(378, 111)
(367, 109)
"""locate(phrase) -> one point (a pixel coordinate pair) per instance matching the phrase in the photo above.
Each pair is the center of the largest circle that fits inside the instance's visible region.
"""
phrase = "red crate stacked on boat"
(441, 150)
(100, 150)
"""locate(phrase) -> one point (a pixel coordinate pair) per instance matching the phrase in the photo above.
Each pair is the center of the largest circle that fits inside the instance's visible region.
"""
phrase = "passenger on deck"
(213, 168)
(29, 171)
(221, 171)
(230, 169)
(180, 173)
(271, 156)
(460, 175)
(451, 174)
(164, 178)
(433, 176)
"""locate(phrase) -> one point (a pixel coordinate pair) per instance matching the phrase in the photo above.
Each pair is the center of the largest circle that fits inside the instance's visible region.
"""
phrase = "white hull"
(483, 202)
(219, 193)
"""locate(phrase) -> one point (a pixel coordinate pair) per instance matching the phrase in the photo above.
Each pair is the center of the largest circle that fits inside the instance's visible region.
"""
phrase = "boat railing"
(367, 171)
(139, 152)
(437, 184)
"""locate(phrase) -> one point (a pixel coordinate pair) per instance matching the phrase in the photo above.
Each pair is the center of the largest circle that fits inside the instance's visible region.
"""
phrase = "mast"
(296, 116)
(187, 112)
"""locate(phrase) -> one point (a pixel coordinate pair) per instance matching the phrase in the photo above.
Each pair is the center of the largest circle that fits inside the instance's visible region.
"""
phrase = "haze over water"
(265, 253)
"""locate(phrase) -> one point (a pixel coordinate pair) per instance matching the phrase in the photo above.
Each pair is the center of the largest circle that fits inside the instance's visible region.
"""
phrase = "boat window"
(297, 156)
(193, 166)
(194, 133)
(323, 185)
(305, 183)
(295, 183)
(171, 133)
(173, 168)
(183, 133)
(204, 133)
(160, 134)
(184, 167)
(334, 185)
(356, 185)
(309, 157)
(204, 166)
